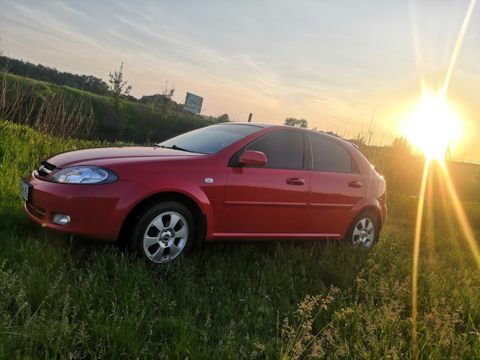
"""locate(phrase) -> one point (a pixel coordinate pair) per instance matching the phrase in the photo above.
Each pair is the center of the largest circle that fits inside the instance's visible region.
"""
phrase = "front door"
(268, 199)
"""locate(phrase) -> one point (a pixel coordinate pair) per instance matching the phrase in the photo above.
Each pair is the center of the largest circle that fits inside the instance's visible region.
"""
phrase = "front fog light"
(61, 219)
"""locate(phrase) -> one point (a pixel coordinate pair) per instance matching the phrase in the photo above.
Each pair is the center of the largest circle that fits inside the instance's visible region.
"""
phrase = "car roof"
(247, 123)
(263, 125)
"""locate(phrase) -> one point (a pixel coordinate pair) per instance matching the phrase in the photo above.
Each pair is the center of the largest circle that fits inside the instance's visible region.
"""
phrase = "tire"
(163, 232)
(364, 230)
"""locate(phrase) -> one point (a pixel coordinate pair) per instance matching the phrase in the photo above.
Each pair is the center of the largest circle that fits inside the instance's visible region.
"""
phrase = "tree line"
(55, 106)
(40, 72)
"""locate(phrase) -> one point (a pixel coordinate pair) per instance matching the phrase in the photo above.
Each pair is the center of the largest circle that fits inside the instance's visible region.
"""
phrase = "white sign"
(193, 103)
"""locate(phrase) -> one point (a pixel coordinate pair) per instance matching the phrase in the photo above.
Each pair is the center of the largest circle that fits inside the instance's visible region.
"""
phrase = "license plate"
(25, 190)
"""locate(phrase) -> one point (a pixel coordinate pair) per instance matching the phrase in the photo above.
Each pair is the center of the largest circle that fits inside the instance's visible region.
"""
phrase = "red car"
(226, 181)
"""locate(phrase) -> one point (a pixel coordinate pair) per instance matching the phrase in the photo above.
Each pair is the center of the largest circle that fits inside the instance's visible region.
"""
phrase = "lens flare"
(461, 215)
(416, 251)
(433, 126)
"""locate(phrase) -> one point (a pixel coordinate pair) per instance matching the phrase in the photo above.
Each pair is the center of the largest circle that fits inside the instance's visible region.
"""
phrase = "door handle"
(295, 181)
(355, 184)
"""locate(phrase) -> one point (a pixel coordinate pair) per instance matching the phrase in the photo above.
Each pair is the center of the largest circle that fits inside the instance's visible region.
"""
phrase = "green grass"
(74, 298)
(132, 121)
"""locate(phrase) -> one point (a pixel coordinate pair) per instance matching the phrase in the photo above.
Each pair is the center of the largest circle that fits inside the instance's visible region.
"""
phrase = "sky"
(345, 66)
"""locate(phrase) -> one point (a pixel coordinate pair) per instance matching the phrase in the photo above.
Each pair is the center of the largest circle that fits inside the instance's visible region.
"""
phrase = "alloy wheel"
(165, 237)
(364, 232)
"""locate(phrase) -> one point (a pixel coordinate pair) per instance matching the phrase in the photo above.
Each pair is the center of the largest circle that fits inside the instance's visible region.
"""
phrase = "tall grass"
(58, 114)
(75, 112)
(72, 298)
(21, 151)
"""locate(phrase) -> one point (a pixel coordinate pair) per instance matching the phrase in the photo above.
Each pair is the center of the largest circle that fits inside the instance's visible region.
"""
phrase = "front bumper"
(96, 211)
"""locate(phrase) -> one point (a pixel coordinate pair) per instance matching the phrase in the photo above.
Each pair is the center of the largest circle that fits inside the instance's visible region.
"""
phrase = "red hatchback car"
(226, 181)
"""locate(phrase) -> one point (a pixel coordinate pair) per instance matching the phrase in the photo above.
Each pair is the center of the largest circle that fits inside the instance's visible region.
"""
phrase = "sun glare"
(433, 126)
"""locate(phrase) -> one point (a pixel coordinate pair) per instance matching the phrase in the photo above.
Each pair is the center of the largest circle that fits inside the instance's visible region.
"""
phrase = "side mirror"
(255, 158)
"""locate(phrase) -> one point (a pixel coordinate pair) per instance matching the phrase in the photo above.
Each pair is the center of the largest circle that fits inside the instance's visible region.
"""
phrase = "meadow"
(72, 112)
(64, 297)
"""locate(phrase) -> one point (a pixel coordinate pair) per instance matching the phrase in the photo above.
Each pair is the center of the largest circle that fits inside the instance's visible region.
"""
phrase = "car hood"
(84, 157)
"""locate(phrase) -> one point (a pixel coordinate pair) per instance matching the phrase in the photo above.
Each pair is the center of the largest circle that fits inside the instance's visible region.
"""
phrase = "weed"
(63, 298)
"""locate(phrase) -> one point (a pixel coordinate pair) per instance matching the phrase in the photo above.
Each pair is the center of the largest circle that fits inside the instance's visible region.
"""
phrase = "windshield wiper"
(174, 147)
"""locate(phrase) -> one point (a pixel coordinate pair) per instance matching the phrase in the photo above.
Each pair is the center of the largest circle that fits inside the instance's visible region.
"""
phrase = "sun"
(433, 126)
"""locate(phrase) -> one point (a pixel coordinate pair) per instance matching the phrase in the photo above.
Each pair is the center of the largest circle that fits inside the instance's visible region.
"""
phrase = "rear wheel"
(364, 230)
(163, 232)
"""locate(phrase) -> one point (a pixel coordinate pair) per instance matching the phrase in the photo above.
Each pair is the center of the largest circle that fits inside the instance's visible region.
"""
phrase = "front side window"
(328, 156)
(284, 149)
(211, 139)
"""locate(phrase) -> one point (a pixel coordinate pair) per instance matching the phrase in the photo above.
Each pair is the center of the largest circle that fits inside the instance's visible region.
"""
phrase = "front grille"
(45, 168)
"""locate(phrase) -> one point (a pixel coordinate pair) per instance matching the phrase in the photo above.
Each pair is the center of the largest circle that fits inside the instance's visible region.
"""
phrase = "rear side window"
(284, 149)
(328, 156)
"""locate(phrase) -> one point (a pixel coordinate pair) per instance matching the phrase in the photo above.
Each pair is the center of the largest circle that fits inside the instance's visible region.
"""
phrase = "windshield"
(211, 139)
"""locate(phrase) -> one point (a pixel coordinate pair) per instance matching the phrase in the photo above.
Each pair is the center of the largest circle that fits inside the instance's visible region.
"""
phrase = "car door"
(335, 186)
(270, 199)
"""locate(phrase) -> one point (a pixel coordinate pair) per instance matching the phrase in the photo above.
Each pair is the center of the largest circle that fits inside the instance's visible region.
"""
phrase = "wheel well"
(376, 212)
(200, 218)
(371, 209)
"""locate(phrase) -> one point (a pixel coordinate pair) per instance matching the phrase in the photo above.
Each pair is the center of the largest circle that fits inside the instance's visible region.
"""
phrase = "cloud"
(330, 62)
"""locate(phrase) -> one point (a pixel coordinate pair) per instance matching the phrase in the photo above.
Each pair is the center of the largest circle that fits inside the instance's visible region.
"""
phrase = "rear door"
(336, 186)
(269, 199)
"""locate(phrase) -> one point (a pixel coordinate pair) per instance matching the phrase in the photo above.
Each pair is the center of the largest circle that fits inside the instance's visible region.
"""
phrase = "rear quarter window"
(330, 156)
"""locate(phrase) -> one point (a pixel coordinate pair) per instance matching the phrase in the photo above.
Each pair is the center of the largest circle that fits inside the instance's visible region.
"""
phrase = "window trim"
(234, 159)
(354, 166)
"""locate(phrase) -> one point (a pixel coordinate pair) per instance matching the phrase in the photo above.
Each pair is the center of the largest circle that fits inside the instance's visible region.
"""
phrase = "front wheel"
(364, 231)
(163, 232)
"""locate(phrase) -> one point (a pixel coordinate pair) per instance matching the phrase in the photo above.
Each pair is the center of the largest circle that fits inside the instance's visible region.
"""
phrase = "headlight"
(84, 175)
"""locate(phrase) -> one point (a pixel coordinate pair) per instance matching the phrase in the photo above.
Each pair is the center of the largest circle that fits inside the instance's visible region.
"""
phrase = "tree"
(118, 87)
(223, 118)
(401, 145)
(296, 122)
(164, 103)
(39, 72)
(360, 139)
(333, 134)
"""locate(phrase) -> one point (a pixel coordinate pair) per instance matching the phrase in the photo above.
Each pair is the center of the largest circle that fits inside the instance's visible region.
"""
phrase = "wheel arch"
(376, 211)
(191, 203)
(370, 208)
